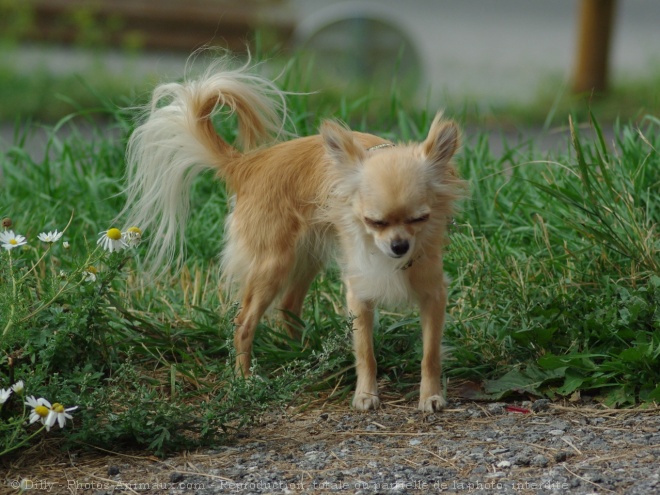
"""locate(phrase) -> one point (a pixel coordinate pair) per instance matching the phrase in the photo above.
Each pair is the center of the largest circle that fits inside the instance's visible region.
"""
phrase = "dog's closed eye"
(420, 219)
(376, 224)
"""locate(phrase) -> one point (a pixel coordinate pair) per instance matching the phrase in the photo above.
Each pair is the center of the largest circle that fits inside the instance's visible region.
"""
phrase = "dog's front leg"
(432, 311)
(366, 390)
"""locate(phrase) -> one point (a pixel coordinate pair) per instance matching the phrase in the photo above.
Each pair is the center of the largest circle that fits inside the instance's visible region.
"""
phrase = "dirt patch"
(328, 448)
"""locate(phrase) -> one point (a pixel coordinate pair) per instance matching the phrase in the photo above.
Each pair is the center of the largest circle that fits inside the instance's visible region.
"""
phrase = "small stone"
(496, 474)
(495, 408)
(541, 405)
(113, 470)
(558, 424)
(556, 433)
(503, 464)
(522, 460)
(540, 461)
(176, 477)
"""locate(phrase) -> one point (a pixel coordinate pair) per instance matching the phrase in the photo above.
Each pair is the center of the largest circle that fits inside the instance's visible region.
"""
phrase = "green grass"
(554, 261)
(627, 99)
(558, 289)
(45, 96)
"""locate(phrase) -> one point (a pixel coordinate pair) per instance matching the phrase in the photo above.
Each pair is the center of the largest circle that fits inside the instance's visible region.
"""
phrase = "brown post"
(594, 40)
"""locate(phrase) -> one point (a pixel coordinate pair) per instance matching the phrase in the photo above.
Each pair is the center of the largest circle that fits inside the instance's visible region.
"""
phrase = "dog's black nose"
(400, 246)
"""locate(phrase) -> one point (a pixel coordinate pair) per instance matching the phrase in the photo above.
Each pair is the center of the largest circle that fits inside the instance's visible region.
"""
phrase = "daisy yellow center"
(41, 411)
(58, 408)
(13, 242)
(114, 234)
(135, 230)
(91, 269)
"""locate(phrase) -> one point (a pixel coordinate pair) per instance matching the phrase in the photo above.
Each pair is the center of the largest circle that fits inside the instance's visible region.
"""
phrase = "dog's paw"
(365, 402)
(431, 404)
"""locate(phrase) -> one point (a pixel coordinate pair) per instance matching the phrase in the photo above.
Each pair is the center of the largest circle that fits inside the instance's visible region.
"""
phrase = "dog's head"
(398, 194)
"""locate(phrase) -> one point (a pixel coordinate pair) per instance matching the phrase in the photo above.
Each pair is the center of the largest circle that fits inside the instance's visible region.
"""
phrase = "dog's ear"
(340, 145)
(442, 141)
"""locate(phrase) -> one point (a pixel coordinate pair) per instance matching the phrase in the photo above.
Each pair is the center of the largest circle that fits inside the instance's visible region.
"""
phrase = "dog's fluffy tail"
(177, 141)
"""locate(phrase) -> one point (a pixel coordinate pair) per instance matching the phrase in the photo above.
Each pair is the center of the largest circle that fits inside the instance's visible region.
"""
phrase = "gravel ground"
(468, 448)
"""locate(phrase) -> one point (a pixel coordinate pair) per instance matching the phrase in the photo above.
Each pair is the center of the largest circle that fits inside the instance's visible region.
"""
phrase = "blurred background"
(495, 61)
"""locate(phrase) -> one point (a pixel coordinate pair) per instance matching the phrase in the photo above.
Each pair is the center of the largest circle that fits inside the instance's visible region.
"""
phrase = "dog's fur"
(385, 207)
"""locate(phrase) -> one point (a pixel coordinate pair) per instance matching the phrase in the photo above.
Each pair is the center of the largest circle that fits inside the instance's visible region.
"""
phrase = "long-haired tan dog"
(382, 208)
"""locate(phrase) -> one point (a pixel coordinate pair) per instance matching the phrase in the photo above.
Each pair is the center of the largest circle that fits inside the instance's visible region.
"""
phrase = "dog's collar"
(380, 146)
(410, 262)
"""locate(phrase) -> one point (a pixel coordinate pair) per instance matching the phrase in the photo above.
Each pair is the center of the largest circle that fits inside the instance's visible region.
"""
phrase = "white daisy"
(66, 244)
(4, 395)
(40, 410)
(111, 240)
(9, 240)
(60, 414)
(50, 237)
(132, 236)
(18, 387)
(90, 274)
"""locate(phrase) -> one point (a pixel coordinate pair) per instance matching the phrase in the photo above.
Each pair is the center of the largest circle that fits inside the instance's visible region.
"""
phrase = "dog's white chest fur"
(373, 276)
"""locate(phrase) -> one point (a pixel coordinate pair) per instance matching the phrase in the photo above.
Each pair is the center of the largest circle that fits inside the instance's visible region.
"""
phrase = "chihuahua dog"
(381, 208)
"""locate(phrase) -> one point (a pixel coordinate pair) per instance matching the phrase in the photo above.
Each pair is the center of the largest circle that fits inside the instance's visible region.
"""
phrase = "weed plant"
(558, 271)
(554, 260)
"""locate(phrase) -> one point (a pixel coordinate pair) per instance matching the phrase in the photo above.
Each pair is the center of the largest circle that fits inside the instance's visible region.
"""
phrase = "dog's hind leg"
(294, 295)
(264, 282)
